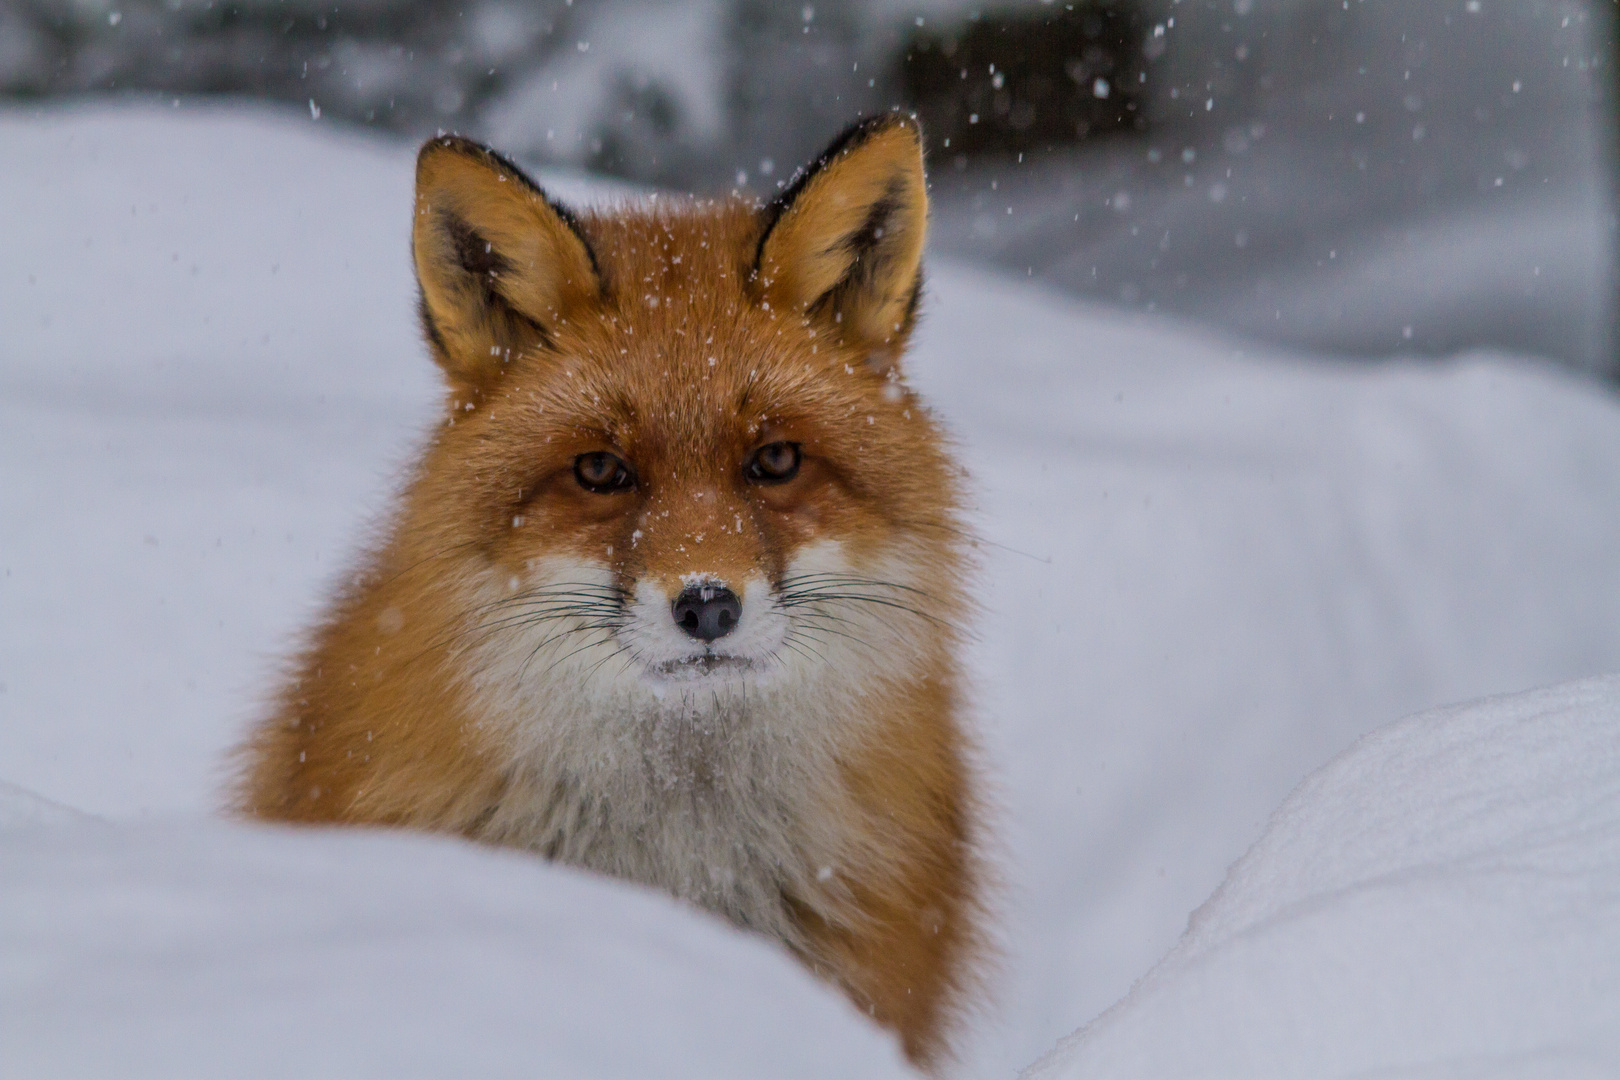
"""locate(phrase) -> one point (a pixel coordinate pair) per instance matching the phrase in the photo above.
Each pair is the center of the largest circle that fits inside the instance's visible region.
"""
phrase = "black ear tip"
(451, 143)
(441, 147)
(487, 156)
(867, 127)
(899, 118)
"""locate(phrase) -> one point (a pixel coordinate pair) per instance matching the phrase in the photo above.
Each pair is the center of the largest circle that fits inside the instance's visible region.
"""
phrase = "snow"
(1207, 572)
(1254, 561)
(1441, 900)
(207, 949)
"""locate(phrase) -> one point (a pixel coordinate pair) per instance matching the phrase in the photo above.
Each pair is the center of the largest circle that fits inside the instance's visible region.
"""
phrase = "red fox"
(676, 590)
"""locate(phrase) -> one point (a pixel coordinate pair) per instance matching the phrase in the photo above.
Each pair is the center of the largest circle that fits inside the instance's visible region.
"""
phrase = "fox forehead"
(678, 352)
(643, 247)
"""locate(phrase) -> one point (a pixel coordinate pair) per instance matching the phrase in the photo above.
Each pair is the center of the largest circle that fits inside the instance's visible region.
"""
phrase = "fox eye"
(603, 473)
(775, 463)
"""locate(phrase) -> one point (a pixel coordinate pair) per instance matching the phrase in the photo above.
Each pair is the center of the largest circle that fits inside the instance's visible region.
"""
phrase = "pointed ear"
(499, 265)
(844, 242)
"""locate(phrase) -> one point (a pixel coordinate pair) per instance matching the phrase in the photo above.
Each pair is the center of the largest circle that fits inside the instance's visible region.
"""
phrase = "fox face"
(689, 456)
(673, 591)
(701, 509)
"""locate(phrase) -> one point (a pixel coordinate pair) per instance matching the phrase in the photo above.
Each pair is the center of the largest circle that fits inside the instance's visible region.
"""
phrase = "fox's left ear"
(843, 243)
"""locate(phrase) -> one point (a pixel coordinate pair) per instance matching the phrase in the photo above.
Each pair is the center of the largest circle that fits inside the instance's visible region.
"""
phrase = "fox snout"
(709, 626)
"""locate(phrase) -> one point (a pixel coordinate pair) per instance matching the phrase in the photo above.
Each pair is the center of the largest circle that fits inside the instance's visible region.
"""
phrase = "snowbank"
(1206, 573)
(1441, 900)
(212, 950)
(1240, 565)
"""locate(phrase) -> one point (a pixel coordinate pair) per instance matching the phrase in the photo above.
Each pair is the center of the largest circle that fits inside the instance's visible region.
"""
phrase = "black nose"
(707, 611)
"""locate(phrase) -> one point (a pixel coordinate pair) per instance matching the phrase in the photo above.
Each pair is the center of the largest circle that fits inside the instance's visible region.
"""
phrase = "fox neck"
(716, 805)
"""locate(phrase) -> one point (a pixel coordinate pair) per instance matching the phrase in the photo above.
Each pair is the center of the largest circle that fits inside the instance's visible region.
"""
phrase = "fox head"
(679, 454)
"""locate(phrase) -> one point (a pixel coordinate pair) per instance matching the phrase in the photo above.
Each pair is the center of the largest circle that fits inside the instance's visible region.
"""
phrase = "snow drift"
(1441, 900)
(211, 950)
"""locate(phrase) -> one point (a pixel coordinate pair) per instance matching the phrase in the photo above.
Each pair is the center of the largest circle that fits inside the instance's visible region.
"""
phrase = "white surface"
(1253, 562)
(211, 950)
(1231, 567)
(1441, 900)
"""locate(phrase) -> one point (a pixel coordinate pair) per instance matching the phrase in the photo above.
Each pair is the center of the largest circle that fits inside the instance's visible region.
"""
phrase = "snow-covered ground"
(1206, 574)
(1439, 901)
(202, 949)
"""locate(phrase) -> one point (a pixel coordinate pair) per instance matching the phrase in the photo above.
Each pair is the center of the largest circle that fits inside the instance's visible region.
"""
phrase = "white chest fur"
(727, 792)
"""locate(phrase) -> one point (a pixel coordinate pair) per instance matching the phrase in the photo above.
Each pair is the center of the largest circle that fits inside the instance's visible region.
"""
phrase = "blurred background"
(1355, 177)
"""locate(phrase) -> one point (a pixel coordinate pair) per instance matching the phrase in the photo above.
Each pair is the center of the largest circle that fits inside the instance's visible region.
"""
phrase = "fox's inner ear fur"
(843, 243)
(499, 265)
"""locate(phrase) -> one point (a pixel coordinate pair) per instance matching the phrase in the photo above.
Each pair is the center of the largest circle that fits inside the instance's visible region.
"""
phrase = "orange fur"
(826, 768)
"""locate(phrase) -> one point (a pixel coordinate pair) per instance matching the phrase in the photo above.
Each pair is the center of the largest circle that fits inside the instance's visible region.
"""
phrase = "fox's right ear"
(499, 264)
